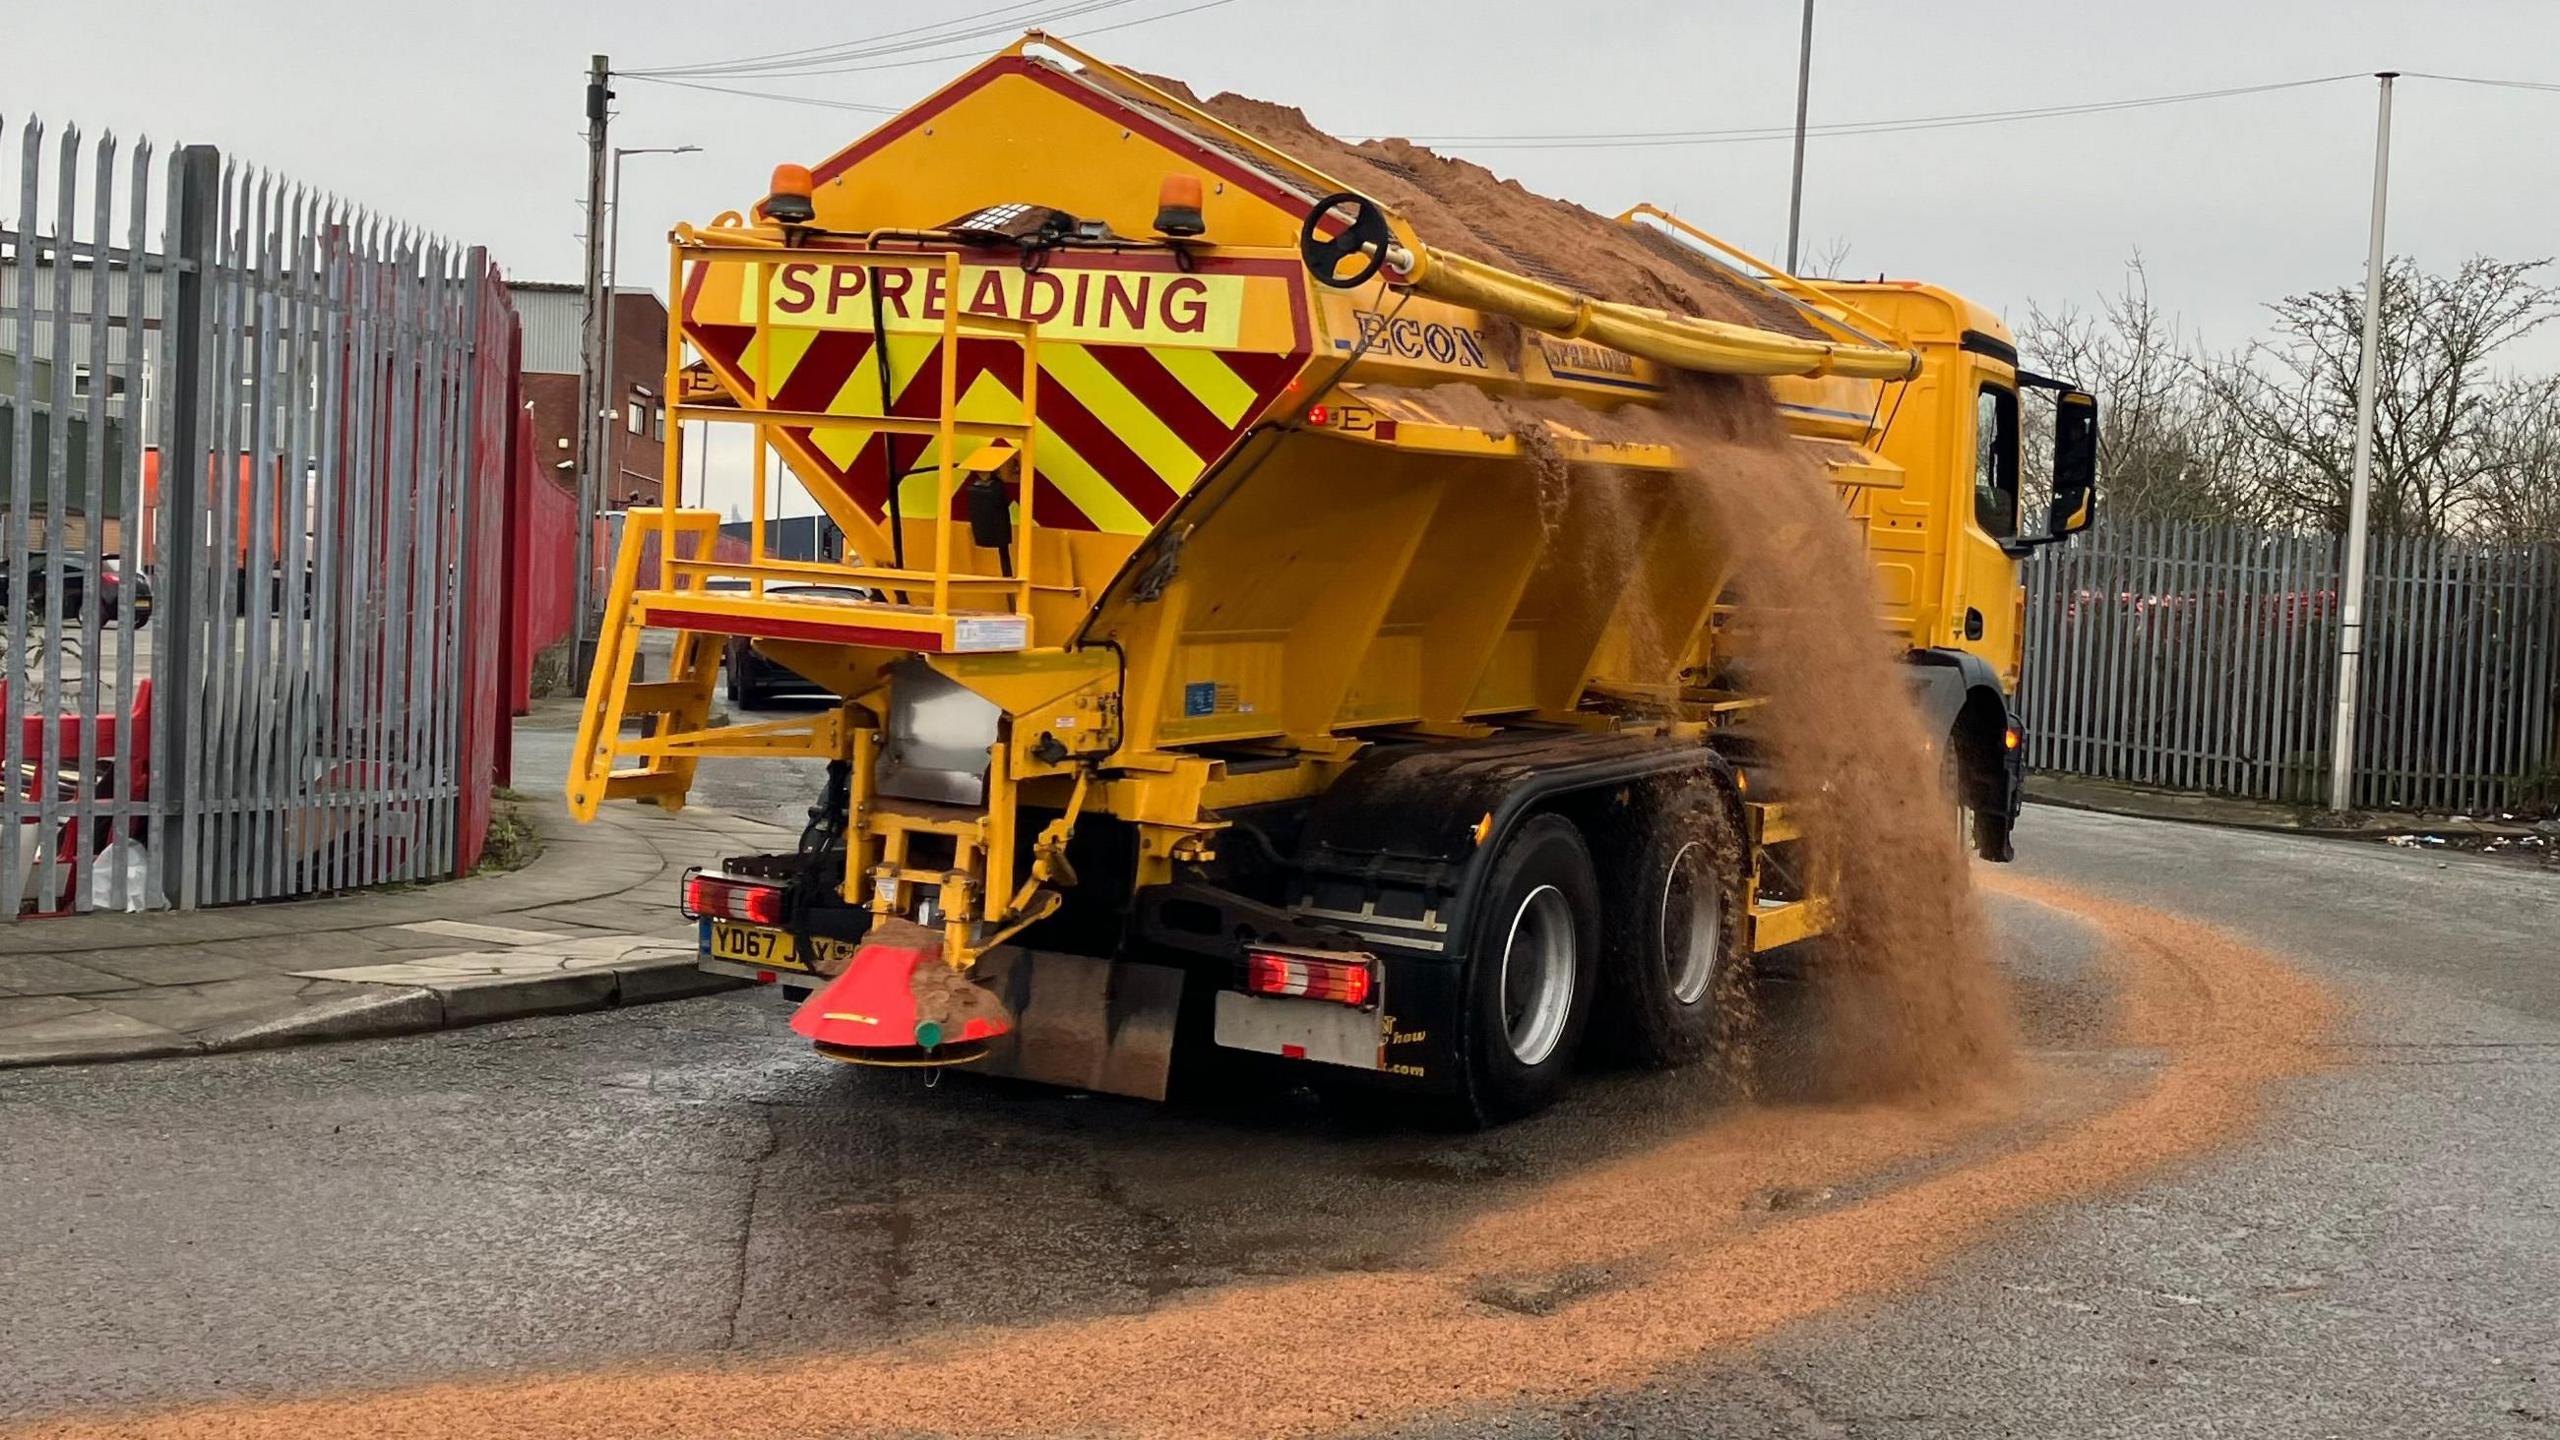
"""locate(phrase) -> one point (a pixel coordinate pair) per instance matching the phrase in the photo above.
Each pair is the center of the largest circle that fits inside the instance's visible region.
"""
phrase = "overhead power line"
(691, 78)
(778, 55)
(1642, 139)
(957, 57)
(842, 59)
(770, 95)
(2485, 80)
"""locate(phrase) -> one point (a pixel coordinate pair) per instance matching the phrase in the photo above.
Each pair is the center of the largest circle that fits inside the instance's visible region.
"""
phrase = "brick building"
(554, 317)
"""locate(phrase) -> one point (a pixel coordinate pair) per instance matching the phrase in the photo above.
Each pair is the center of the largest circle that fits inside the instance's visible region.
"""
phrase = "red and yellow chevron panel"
(1149, 371)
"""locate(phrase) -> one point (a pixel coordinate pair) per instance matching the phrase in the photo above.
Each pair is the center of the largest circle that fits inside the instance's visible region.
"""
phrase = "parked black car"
(754, 680)
(119, 595)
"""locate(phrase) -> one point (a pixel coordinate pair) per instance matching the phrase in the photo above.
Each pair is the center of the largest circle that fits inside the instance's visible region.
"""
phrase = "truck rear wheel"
(1532, 964)
(1676, 933)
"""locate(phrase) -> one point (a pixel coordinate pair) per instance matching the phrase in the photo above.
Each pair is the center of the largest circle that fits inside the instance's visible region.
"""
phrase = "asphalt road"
(679, 1183)
(2382, 1258)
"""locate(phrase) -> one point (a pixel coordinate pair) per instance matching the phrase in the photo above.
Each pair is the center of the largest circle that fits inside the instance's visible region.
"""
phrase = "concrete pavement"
(2516, 836)
(591, 923)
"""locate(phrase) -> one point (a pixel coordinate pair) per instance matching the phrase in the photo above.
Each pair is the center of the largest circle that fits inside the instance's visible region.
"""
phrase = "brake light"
(1344, 980)
(722, 898)
(1318, 415)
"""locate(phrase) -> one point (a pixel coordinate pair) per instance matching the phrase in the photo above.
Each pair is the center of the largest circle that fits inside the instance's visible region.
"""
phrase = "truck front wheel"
(1532, 963)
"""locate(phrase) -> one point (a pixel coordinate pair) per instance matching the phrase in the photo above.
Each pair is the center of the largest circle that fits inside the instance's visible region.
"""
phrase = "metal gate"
(2204, 657)
(255, 444)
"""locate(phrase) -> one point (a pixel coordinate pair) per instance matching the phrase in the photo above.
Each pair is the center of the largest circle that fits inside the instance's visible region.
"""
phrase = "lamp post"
(1804, 93)
(595, 496)
(2342, 736)
(613, 270)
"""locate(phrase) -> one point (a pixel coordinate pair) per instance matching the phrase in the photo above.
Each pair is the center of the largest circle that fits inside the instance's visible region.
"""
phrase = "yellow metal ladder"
(675, 713)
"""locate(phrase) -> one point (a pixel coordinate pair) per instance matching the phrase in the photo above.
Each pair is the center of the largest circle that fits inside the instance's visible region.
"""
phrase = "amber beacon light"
(789, 200)
(1178, 207)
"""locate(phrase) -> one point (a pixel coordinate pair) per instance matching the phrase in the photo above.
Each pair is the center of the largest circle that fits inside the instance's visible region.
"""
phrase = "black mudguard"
(1960, 694)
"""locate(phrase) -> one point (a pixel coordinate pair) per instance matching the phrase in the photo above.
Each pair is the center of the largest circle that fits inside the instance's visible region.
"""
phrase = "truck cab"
(1949, 542)
(1945, 527)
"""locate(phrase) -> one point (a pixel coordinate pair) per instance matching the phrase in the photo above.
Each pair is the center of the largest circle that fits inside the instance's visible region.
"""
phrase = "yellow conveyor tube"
(1683, 342)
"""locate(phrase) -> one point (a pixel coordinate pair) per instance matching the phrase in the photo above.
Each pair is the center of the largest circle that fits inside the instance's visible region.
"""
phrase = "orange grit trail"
(1678, 1279)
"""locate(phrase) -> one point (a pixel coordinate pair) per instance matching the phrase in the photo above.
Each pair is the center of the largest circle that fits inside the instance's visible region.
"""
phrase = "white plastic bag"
(129, 858)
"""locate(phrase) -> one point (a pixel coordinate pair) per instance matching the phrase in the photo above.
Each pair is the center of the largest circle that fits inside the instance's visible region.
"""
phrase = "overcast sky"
(464, 116)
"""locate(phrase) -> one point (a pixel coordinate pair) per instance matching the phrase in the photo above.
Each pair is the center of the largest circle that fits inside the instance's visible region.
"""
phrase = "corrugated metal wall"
(554, 320)
(2204, 657)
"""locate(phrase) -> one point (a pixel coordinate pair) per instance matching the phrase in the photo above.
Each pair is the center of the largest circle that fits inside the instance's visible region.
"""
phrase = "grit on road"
(667, 1189)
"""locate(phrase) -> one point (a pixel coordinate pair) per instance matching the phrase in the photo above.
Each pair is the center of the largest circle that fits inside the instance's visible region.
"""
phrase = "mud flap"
(1083, 1022)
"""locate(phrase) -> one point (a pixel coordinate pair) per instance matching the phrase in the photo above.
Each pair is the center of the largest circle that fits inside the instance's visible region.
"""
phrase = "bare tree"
(1828, 260)
(2291, 399)
(2162, 450)
(2518, 448)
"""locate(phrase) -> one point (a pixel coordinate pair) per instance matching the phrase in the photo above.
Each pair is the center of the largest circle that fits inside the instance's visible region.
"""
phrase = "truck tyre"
(1676, 934)
(1951, 779)
(744, 692)
(1533, 960)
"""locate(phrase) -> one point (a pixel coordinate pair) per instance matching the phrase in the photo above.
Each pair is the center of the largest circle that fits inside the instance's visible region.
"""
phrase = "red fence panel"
(542, 591)
(493, 418)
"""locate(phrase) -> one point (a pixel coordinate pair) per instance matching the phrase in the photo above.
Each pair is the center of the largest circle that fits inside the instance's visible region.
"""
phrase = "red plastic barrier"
(132, 771)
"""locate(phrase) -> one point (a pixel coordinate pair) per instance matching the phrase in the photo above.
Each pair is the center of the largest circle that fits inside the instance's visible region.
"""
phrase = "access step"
(834, 620)
(1774, 923)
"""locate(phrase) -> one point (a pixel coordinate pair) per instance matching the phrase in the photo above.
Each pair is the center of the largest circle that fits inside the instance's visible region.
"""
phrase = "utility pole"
(2342, 740)
(1804, 95)
(592, 372)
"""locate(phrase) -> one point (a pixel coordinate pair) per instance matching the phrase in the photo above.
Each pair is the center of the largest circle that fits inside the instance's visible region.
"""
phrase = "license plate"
(764, 949)
(1299, 1030)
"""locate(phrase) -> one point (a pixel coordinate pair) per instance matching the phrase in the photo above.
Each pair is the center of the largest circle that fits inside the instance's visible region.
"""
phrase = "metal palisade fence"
(2205, 657)
(253, 445)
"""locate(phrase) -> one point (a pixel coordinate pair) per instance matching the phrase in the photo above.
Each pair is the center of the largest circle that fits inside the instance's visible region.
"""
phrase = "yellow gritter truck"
(1210, 676)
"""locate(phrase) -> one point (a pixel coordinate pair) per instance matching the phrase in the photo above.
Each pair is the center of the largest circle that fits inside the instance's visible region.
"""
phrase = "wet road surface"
(681, 1184)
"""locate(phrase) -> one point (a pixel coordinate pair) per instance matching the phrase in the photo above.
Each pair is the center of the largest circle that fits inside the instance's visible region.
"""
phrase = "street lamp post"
(2342, 730)
(613, 250)
(1804, 94)
(609, 404)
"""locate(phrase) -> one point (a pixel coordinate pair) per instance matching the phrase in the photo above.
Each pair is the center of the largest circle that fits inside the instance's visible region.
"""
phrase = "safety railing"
(1825, 307)
(946, 578)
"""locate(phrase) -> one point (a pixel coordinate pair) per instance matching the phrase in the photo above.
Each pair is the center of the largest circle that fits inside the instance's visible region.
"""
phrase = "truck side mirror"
(2075, 463)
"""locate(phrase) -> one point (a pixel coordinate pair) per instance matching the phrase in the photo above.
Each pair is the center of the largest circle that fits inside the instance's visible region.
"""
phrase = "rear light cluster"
(722, 898)
(1343, 979)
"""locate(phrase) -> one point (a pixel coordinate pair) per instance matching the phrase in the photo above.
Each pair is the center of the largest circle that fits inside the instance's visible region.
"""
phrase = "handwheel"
(1364, 236)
